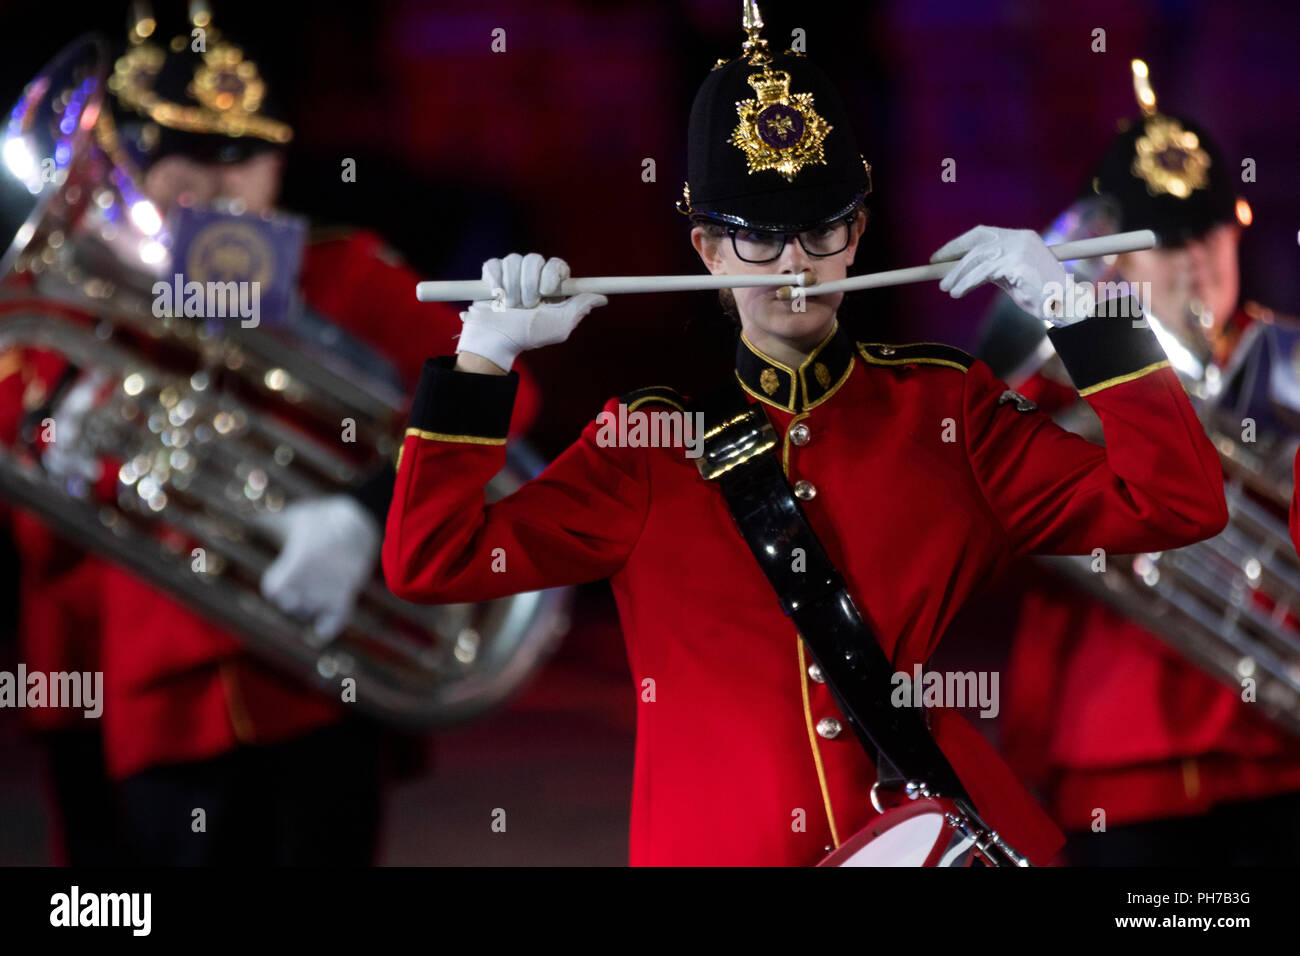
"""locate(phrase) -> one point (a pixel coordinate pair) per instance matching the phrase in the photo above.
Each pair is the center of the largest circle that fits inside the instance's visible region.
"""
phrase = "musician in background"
(192, 720)
(1101, 714)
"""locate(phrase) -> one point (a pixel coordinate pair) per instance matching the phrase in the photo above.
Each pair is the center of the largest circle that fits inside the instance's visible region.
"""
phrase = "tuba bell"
(1230, 604)
(205, 429)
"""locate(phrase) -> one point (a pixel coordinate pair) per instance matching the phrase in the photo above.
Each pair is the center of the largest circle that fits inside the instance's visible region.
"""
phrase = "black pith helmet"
(196, 94)
(769, 144)
(1165, 173)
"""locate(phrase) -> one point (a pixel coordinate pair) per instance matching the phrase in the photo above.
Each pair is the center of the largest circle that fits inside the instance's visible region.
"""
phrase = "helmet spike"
(1146, 96)
(140, 22)
(754, 47)
(200, 13)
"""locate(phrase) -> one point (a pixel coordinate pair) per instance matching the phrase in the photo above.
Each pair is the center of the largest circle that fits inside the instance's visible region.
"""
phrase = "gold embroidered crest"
(226, 87)
(1170, 159)
(769, 381)
(227, 82)
(779, 130)
(822, 374)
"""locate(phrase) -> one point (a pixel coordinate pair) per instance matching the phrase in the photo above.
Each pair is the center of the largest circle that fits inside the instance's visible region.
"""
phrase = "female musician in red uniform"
(920, 472)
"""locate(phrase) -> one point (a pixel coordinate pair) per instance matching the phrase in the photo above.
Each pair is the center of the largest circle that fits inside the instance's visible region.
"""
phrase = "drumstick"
(474, 290)
(1078, 249)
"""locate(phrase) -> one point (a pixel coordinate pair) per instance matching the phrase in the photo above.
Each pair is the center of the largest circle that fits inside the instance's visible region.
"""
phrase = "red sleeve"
(11, 407)
(25, 375)
(1049, 395)
(12, 384)
(359, 282)
(577, 521)
(1156, 484)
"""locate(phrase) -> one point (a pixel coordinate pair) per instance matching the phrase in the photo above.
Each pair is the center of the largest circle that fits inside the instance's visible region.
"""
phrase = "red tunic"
(925, 484)
(176, 687)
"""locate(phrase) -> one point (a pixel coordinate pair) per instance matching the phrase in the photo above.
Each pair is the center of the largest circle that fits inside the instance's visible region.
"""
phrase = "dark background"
(463, 153)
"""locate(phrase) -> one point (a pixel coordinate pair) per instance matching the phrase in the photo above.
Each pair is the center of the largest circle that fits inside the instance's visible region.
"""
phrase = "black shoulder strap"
(740, 457)
(654, 395)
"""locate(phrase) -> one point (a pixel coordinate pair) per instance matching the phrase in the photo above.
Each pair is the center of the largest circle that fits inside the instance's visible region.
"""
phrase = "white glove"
(328, 550)
(1019, 263)
(516, 319)
(61, 457)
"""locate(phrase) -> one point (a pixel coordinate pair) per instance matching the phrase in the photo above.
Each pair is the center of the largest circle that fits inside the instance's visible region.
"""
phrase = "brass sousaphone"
(208, 429)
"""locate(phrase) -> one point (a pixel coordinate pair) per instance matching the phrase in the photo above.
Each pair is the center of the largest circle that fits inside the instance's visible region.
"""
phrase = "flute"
(786, 283)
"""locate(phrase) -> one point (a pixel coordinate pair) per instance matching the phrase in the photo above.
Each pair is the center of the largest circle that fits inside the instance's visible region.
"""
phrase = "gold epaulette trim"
(462, 439)
(656, 395)
(1121, 379)
(915, 353)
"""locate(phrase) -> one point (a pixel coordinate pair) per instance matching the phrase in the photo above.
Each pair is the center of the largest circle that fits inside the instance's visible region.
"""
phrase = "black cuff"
(1107, 349)
(375, 491)
(462, 406)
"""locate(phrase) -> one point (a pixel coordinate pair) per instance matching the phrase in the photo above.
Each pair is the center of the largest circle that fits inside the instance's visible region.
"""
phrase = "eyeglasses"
(758, 245)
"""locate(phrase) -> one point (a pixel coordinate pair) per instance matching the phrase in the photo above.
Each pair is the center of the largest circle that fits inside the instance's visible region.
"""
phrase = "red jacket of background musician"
(176, 687)
(921, 477)
(1104, 715)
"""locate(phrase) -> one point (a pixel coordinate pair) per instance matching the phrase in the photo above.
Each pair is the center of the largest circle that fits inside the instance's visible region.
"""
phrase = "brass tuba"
(208, 429)
(1231, 604)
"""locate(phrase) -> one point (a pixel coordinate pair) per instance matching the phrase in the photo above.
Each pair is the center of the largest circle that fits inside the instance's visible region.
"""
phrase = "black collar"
(796, 390)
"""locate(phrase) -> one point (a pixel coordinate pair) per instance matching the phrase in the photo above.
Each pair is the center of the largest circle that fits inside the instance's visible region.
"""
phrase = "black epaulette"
(915, 353)
(654, 395)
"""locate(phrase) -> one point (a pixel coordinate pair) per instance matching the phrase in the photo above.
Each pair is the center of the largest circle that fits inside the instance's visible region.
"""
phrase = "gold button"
(829, 728)
(805, 490)
(800, 434)
(815, 673)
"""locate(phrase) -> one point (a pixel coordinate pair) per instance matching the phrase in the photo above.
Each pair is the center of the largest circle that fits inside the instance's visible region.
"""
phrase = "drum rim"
(887, 821)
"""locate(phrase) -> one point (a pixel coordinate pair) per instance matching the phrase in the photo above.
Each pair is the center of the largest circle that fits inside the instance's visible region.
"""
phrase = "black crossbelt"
(740, 456)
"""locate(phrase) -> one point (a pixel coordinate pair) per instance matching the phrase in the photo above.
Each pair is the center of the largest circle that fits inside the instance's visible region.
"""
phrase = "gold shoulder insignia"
(654, 395)
(915, 353)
